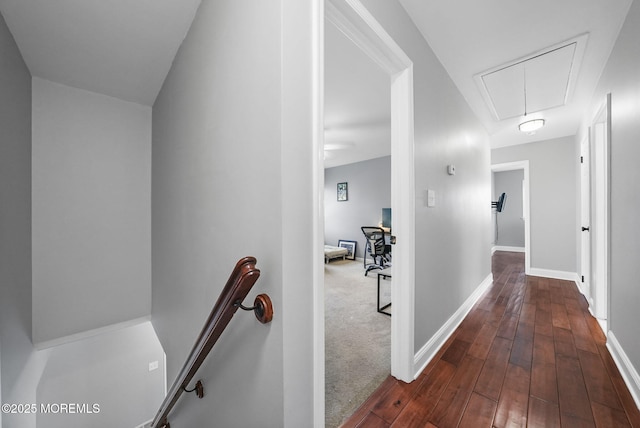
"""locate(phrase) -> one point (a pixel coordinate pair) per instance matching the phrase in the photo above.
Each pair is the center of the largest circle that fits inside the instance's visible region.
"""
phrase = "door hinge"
(581, 159)
(582, 278)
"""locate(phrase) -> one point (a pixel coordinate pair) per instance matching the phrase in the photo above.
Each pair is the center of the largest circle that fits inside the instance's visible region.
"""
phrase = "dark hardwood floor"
(528, 354)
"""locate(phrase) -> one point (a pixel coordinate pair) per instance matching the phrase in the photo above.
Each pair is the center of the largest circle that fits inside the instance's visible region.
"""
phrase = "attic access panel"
(549, 76)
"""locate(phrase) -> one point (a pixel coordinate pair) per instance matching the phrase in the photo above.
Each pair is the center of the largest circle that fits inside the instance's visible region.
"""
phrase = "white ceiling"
(471, 37)
(357, 103)
(124, 49)
(120, 48)
(531, 85)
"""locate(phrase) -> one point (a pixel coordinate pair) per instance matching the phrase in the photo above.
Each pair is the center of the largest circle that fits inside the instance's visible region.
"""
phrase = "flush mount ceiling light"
(528, 126)
(531, 125)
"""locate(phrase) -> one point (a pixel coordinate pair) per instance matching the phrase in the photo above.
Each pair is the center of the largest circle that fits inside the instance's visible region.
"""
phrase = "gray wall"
(110, 370)
(91, 210)
(219, 190)
(234, 175)
(620, 78)
(452, 251)
(369, 192)
(553, 192)
(15, 221)
(510, 221)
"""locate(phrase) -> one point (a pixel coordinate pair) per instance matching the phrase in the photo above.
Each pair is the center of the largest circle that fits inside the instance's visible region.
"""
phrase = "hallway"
(527, 354)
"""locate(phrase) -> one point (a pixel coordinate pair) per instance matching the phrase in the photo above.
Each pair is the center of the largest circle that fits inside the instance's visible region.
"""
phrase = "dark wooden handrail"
(244, 275)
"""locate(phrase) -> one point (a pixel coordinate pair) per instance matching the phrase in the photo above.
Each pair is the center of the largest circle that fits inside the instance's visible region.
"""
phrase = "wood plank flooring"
(528, 354)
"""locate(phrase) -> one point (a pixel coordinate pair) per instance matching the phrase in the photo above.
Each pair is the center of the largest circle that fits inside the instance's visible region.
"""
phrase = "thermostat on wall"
(451, 169)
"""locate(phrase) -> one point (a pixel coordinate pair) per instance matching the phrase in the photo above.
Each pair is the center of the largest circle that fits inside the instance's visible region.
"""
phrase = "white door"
(585, 217)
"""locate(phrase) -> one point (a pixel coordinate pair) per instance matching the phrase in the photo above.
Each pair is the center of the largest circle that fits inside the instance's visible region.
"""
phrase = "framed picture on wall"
(343, 192)
(350, 246)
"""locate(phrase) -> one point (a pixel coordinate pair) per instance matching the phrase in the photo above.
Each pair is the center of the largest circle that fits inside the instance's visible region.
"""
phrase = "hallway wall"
(233, 176)
(620, 78)
(91, 169)
(457, 231)
(553, 196)
(108, 374)
(15, 223)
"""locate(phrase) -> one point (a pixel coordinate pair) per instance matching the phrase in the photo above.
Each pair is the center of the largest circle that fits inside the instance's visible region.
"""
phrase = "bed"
(331, 252)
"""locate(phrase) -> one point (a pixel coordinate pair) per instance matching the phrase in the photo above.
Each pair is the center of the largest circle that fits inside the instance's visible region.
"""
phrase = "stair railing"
(243, 277)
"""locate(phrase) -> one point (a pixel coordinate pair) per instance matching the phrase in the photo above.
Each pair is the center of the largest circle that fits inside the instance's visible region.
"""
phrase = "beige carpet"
(357, 338)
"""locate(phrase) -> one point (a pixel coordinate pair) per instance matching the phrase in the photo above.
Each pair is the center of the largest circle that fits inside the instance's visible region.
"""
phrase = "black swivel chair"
(377, 247)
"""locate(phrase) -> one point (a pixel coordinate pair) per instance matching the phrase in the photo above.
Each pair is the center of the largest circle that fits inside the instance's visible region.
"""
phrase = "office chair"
(377, 247)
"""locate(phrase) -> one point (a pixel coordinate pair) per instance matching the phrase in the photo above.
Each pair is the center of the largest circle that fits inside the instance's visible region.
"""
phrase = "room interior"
(357, 157)
(471, 52)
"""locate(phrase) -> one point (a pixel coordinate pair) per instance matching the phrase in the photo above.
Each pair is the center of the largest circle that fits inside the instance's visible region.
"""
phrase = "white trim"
(507, 248)
(526, 205)
(429, 350)
(601, 207)
(90, 333)
(627, 370)
(353, 19)
(555, 274)
(604, 325)
(583, 288)
(403, 207)
(318, 22)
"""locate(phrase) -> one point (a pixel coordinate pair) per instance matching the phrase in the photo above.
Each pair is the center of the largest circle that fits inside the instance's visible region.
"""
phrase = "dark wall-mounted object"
(500, 203)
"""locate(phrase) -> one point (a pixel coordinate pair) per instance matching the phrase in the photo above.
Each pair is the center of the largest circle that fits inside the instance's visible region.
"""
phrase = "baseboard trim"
(627, 370)
(429, 350)
(582, 287)
(555, 274)
(507, 248)
(90, 333)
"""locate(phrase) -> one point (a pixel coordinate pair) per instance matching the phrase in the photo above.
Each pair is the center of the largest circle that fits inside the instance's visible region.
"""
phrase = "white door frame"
(600, 147)
(526, 207)
(352, 18)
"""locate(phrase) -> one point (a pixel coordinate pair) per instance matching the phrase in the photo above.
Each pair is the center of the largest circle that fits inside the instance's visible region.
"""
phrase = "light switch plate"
(431, 198)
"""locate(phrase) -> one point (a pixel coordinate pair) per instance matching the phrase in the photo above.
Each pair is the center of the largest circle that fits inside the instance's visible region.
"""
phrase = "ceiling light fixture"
(531, 125)
(528, 126)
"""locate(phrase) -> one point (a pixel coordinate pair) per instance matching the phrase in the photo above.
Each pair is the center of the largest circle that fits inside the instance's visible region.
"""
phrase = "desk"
(385, 273)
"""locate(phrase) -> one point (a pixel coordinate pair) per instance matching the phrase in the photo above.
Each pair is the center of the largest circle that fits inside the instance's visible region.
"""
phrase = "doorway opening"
(515, 181)
(352, 19)
(357, 176)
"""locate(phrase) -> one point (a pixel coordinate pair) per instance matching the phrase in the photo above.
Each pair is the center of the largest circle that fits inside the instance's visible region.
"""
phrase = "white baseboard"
(627, 370)
(555, 274)
(582, 287)
(506, 248)
(429, 350)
